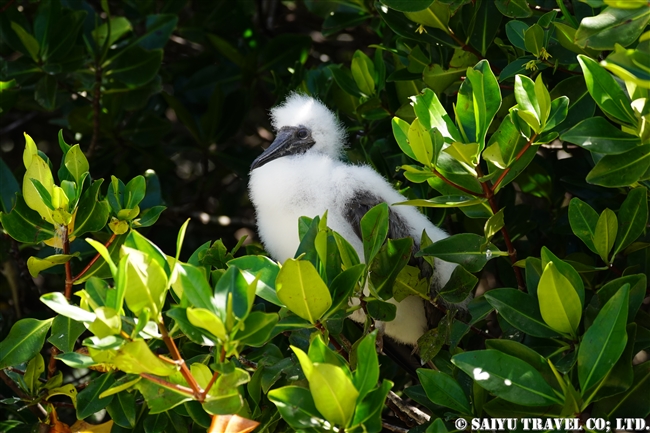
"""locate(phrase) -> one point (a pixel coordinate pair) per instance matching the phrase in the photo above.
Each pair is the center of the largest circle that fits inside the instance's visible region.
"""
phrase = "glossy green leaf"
(135, 67)
(146, 280)
(432, 114)
(598, 135)
(232, 288)
(24, 341)
(464, 249)
(333, 392)
(610, 26)
(33, 372)
(621, 170)
(635, 402)
(301, 289)
(507, 377)
(297, 407)
(262, 268)
(606, 92)
(407, 5)
(88, 401)
(444, 201)
(514, 8)
(120, 26)
(421, 143)
(633, 217)
(29, 42)
(534, 39)
(136, 357)
(559, 112)
(93, 213)
(460, 285)
(400, 131)
(374, 229)
(123, 409)
(604, 341)
(387, 264)
(363, 72)
(65, 332)
(444, 390)
(605, 235)
(521, 311)
(583, 219)
(529, 107)
(483, 25)
(558, 301)
(515, 30)
(366, 376)
(37, 265)
(205, 319)
(76, 162)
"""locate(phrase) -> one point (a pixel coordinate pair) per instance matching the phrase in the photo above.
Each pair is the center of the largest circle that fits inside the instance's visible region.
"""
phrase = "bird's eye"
(302, 133)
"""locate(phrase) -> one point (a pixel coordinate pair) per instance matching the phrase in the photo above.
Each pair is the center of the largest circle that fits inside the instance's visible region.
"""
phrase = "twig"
(394, 428)
(68, 267)
(92, 262)
(163, 382)
(413, 412)
(5, 7)
(96, 109)
(171, 346)
(512, 252)
(51, 366)
(507, 170)
(207, 389)
(37, 409)
(466, 191)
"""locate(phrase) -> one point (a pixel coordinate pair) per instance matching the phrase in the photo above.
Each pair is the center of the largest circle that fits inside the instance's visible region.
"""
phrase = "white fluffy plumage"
(308, 184)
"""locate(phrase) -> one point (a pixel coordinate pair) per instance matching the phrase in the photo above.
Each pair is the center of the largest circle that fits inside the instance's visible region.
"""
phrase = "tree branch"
(37, 409)
(166, 384)
(197, 392)
(447, 181)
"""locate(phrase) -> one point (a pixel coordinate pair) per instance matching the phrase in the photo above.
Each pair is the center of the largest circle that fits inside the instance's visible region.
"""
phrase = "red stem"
(507, 170)
(197, 392)
(92, 262)
(465, 190)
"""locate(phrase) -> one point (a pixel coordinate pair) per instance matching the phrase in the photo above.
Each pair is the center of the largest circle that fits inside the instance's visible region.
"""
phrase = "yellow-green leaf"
(35, 265)
(205, 319)
(605, 234)
(76, 162)
(559, 302)
(39, 170)
(333, 392)
(301, 289)
(136, 357)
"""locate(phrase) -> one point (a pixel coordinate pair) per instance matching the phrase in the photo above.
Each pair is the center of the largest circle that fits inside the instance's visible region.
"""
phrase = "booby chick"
(302, 174)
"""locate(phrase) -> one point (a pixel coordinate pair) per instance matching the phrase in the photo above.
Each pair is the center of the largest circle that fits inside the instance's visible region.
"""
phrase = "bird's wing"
(361, 202)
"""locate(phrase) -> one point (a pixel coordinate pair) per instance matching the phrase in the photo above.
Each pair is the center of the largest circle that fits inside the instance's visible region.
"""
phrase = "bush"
(545, 192)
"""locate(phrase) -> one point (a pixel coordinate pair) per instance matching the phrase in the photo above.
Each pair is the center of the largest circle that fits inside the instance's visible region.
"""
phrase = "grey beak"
(279, 148)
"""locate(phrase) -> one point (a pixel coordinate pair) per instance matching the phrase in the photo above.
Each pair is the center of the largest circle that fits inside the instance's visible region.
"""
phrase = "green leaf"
(33, 372)
(387, 264)
(57, 302)
(297, 408)
(93, 213)
(566, 270)
(400, 131)
(606, 92)
(534, 39)
(507, 377)
(159, 29)
(367, 414)
(421, 143)
(516, 30)
(264, 270)
(383, 311)
(436, 15)
(407, 5)
(123, 409)
(444, 201)
(598, 135)
(136, 357)
(24, 341)
(374, 229)
(88, 401)
(76, 162)
(558, 113)
(45, 93)
(612, 26)
(8, 188)
(565, 35)
(606, 229)
(146, 280)
(135, 67)
(514, 8)
(520, 310)
(29, 41)
(36, 265)
(460, 285)
(431, 114)
(257, 328)
(621, 170)
(633, 217)
(493, 225)
(366, 375)
(333, 392)
(120, 26)
(301, 289)
(205, 319)
(635, 402)
(160, 399)
(604, 341)
(558, 301)
(65, 332)
(363, 72)
(529, 107)
(583, 219)
(483, 25)
(444, 390)
(464, 249)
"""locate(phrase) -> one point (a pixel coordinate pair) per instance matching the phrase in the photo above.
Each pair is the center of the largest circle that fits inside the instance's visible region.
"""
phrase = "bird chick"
(302, 174)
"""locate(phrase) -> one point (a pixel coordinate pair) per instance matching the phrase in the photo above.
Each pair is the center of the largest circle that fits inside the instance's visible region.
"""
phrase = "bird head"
(303, 124)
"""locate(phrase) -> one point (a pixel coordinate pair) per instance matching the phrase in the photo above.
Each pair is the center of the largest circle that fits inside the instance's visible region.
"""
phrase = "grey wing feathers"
(361, 203)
